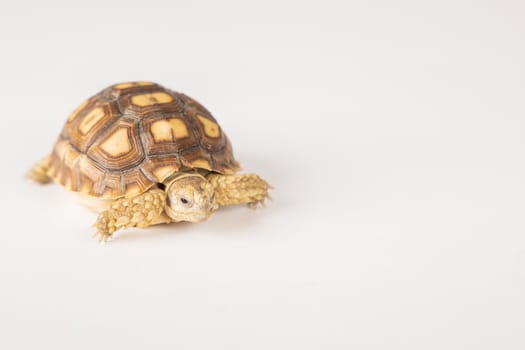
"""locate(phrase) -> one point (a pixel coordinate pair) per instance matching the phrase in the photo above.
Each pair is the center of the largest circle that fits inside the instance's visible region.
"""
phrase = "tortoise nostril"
(184, 200)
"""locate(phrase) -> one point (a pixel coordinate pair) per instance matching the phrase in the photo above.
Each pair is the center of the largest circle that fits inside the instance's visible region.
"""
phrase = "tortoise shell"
(131, 136)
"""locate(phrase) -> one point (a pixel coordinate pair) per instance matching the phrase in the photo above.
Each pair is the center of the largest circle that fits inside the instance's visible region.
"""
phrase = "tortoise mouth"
(188, 215)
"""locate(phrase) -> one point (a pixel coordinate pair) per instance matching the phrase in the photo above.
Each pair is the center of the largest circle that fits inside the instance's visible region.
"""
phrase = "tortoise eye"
(183, 200)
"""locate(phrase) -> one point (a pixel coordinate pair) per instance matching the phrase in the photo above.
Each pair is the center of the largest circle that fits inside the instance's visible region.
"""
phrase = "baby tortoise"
(141, 155)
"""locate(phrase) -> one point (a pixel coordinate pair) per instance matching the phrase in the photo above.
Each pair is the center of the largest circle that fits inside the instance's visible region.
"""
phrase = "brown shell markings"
(130, 136)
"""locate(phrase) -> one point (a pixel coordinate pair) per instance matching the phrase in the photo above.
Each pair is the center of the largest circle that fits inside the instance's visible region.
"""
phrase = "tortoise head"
(190, 198)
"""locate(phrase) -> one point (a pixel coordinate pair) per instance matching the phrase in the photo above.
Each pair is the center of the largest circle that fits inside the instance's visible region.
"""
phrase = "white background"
(393, 132)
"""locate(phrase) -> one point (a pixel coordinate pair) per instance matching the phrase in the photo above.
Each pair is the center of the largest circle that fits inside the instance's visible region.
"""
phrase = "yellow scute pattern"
(168, 130)
(90, 120)
(211, 128)
(132, 84)
(117, 144)
(151, 99)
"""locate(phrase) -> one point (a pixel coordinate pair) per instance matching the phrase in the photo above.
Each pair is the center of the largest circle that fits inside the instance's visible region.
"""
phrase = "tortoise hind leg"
(40, 171)
(239, 188)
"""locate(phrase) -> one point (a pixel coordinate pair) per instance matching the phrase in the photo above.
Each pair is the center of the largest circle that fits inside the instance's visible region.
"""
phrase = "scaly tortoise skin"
(136, 138)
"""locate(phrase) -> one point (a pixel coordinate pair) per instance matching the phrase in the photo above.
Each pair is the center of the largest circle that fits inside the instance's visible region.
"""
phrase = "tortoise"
(140, 154)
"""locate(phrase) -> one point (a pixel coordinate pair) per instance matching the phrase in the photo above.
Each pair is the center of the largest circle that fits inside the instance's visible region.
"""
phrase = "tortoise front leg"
(39, 172)
(239, 189)
(141, 211)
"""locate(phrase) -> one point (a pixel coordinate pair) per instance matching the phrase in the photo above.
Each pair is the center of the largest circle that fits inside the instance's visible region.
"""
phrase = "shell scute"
(132, 135)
